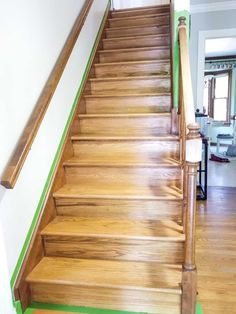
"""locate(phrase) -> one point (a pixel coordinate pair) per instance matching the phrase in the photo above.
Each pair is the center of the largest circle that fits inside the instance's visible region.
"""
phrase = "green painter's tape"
(86, 310)
(52, 169)
(176, 53)
(79, 309)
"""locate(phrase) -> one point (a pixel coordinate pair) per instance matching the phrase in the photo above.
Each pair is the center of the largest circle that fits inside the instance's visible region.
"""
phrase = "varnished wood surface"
(216, 259)
(128, 104)
(140, 11)
(137, 31)
(170, 192)
(125, 148)
(162, 230)
(159, 19)
(13, 168)
(134, 54)
(107, 273)
(132, 42)
(117, 240)
(126, 124)
(130, 85)
(120, 208)
(132, 68)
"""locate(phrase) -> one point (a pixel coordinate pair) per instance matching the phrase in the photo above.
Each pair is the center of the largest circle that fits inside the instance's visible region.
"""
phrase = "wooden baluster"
(193, 156)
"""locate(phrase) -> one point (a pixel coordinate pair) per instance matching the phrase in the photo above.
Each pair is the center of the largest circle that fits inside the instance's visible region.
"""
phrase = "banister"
(26, 140)
(191, 151)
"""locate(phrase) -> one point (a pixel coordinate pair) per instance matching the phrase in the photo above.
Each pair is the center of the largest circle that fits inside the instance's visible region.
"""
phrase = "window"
(217, 95)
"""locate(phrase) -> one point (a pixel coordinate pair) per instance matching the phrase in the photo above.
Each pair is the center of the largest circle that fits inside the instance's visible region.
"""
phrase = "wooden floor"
(216, 251)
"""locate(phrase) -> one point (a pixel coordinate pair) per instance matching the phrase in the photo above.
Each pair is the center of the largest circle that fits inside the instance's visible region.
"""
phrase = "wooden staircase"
(116, 240)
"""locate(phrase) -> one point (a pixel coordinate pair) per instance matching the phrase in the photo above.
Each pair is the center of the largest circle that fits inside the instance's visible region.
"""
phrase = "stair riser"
(108, 298)
(118, 209)
(139, 55)
(130, 149)
(138, 86)
(144, 21)
(143, 104)
(136, 69)
(135, 13)
(144, 177)
(136, 43)
(114, 249)
(122, 126)
(152, 30)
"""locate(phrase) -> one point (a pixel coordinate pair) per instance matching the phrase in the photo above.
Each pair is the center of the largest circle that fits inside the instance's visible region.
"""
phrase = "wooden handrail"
(26, 140)
(191, 150)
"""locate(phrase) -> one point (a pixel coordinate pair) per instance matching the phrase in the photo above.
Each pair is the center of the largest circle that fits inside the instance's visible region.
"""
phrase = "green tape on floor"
(86, 310)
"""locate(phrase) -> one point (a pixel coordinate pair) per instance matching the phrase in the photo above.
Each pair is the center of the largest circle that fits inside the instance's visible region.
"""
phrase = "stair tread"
(165, 230)
(92, 137)
(139, 16)
(131, 162)
(133, 49)
(162, 61)
(120, 192)
(135, 27)
(135, 37)
(105, 273)
(128, 95)
(130, 78)
(124, 115)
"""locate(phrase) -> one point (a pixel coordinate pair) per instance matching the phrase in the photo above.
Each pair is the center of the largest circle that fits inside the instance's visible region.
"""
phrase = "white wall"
(32, 35)
(123, 4)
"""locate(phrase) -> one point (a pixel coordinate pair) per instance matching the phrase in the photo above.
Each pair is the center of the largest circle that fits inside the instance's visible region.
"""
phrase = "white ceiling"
(220, 47)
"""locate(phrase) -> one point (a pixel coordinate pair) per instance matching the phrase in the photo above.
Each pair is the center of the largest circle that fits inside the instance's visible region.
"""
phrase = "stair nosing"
(112, 231)
(129, 95)
(123, 115)
(119, 197)
(134, 49)
(162, 61)
(71, 163)
(110, 29)
(130, 78)
(125, 138)
(124, 18)
(133, 37)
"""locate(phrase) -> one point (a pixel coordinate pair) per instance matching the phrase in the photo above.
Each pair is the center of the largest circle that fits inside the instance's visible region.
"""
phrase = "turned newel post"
(193, 156)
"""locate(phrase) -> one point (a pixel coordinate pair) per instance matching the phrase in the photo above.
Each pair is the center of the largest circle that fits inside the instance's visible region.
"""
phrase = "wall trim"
(212, 7)
(202, 36)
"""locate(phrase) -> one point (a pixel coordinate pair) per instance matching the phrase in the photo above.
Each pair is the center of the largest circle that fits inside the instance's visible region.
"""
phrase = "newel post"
(193, 156)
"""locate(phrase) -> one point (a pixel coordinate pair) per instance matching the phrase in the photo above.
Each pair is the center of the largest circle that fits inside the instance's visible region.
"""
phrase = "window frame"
(211, 95)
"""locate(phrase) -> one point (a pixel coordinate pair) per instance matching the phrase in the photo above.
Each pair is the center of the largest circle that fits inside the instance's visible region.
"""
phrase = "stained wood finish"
(15, 164)
(151, 10)
(86, 282)
(134, 54)
(132, 42)
(115, 239)
(137, 31)
(137, 149)
(132, 68)
(130, 85)
(146, 103)
(190, 138)
(215, 252)
(122, 124)
(160, 19)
